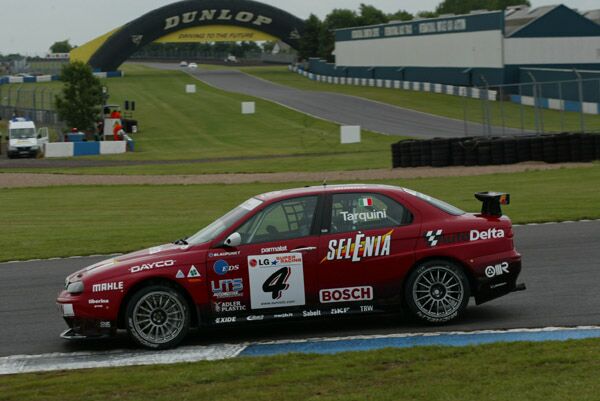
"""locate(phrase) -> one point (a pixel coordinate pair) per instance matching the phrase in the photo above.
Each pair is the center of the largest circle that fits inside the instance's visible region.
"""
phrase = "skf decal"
(359, 247)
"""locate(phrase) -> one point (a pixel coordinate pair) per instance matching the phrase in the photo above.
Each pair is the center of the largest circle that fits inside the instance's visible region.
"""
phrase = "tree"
(61, 47)
(466, 6)
(400, 15)
(309, 42)
(81, 99)
(370, 15)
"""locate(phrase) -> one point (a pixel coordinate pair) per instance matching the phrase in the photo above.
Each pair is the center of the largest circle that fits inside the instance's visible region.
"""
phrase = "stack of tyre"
(484, 151)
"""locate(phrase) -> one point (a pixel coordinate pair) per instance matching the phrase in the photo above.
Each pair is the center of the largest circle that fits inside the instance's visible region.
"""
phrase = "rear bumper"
(498, 278)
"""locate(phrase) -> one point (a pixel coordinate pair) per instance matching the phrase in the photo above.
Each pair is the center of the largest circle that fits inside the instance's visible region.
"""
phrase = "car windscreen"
(215, 229)
(446, 207)
(22, 133)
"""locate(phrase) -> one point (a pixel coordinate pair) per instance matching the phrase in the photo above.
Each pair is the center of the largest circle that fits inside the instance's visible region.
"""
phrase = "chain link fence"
(34, 103)
(536, 107)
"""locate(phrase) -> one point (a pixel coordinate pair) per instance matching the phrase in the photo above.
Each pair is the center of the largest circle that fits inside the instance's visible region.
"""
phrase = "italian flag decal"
(365, 202)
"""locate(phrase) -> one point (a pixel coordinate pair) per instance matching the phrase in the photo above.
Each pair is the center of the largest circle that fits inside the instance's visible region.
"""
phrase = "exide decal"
(359, 247)
(151, 266)
(350, 294)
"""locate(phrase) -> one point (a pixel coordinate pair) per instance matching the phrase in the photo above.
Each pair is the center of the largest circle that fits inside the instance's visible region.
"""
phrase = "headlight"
(75, 288)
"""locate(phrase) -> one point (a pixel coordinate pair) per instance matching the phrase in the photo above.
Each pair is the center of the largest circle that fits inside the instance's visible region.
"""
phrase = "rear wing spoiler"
(492, 202)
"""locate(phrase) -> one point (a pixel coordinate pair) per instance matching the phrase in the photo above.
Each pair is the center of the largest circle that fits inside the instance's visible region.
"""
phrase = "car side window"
(284, 220)
(364, 211)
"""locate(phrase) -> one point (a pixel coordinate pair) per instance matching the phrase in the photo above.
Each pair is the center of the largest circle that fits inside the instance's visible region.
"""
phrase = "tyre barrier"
(482, 151)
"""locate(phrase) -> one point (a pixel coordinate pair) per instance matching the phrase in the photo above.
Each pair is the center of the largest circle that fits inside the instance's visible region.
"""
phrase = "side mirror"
(233, 241)
(39, 136)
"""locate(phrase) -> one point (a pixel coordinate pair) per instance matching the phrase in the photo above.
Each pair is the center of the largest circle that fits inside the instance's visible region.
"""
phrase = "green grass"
(65, 221)
(209, 124)
(443, 105)
(515, 371)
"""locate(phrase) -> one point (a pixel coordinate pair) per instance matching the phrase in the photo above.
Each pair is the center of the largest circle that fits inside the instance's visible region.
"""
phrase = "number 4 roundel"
(277, 283)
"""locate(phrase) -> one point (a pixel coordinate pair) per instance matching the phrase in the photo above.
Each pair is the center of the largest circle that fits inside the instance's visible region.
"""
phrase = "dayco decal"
(350, 294)
(216, 15)
(492, 233)
(151, 266)
(364, 216)
(497, 270)
(104, 287)
(359, 247)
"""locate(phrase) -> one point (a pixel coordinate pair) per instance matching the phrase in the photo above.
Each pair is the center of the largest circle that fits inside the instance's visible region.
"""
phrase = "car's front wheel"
(158, 317)
(437, 291)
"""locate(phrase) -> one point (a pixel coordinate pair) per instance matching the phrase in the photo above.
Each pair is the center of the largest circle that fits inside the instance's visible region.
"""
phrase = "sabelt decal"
(276, 280)
(152, 265)
(106, 287)
(359, 247)
(349, 294)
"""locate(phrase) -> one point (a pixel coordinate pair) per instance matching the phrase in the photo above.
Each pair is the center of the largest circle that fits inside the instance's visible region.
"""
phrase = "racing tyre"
(158, 317)
(437, 292)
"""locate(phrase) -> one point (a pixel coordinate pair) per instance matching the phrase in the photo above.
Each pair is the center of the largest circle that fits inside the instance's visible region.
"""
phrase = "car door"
(273, 270)
(366, 248)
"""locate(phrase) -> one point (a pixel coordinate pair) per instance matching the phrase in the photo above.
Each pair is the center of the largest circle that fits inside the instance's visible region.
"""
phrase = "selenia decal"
(276, 280)
(359, 247)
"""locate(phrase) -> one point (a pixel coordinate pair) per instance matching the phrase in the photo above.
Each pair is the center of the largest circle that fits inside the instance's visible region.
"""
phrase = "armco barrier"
(483, 151)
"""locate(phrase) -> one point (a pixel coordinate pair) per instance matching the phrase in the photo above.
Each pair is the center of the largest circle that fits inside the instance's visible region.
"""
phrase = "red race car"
(302, 253)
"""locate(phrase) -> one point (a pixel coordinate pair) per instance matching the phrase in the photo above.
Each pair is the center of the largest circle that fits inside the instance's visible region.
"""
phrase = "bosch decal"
(350, 294)
(359, 247)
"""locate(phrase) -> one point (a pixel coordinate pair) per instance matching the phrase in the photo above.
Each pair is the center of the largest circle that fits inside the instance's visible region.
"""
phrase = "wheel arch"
(195, 319)
(458, 262)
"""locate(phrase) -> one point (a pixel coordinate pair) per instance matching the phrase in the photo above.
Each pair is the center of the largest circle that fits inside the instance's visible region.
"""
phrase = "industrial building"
(479, 49)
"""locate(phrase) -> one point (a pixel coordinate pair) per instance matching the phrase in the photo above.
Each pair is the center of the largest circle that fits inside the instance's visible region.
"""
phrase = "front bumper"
(83, 319)
(80, 329)
(501, 278)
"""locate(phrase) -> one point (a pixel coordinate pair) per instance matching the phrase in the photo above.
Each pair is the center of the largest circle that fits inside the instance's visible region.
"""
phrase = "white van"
(24, 139)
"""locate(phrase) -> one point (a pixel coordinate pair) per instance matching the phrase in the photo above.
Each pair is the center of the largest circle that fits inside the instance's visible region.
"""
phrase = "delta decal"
(359, 247)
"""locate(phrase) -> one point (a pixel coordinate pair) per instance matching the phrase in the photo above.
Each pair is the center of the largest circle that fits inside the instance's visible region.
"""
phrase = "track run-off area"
(560, 268)
(342, 109)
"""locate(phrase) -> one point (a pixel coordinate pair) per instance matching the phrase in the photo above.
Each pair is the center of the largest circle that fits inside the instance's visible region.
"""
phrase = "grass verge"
(65, 221)
(209, 124)
(514, 371)
(502, 113)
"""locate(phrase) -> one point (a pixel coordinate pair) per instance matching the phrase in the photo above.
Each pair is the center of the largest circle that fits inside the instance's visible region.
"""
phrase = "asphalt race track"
(560, 268)
(343, 109)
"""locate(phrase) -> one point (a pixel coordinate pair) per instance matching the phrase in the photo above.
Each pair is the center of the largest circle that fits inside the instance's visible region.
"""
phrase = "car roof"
(319, 189)
(20, 123)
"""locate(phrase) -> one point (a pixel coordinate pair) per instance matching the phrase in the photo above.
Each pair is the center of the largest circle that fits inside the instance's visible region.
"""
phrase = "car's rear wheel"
(158, 317)
(437, 291)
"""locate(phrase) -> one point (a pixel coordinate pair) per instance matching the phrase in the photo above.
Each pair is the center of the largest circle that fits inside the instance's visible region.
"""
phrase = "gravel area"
(21, 180)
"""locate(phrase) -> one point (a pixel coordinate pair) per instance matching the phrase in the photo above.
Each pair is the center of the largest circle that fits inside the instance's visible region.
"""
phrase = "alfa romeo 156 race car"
(295, 254)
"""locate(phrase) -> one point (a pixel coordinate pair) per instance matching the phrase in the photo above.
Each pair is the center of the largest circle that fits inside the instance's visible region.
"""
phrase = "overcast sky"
(31, 26)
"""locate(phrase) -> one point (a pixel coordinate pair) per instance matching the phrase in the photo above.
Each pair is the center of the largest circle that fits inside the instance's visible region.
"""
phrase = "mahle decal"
(359, 247)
